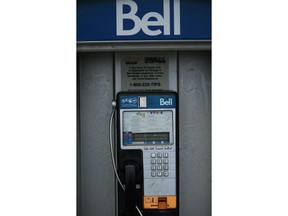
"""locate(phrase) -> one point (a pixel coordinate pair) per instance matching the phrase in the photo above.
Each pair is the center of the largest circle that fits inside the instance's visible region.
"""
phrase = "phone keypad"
(159, 164)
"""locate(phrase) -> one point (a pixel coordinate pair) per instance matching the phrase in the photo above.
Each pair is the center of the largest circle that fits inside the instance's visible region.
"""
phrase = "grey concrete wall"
(96, 91)
(195, 133)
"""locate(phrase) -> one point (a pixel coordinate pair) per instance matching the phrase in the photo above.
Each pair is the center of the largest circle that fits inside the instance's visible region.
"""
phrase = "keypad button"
(165, 161)
(159, 155)
(166, 174)
(153, 161)
(151, 148)
(153, 155)
(153, 174)
(165, 167)
(146, 147)
(159, 161)
(159, 147)
(153, 167)
(159, 174)
(165, 155)
(159, 167)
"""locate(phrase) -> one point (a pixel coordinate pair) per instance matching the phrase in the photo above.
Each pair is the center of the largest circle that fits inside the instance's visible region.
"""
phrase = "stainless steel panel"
(96, 92)
(195, 132)
(119, 46)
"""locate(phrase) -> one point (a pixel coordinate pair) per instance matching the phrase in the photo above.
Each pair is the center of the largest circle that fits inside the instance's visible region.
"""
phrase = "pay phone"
(147, 153)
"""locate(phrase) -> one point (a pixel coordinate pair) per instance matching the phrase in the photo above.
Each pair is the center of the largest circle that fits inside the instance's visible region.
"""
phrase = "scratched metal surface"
(195, 133)
(96, 92)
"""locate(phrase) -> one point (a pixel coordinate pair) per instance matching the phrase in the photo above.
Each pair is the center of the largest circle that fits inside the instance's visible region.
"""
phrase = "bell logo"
(148, 20)
(166, 103)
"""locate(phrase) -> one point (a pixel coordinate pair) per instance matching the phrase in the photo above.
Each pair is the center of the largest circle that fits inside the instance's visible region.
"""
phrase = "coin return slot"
(162, 203)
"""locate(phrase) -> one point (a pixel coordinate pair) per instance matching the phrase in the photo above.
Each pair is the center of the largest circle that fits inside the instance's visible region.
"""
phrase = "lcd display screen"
(147, 127)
